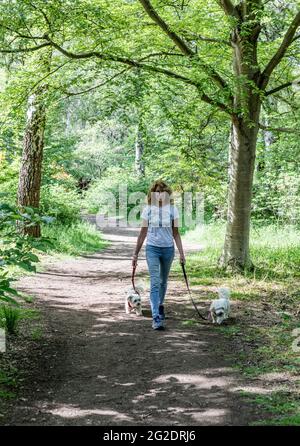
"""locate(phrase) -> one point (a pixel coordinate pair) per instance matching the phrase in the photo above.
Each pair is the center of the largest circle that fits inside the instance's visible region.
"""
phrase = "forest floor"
(85, 362)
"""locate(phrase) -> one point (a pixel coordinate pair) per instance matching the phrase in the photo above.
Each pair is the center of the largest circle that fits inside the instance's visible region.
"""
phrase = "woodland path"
(95, 365)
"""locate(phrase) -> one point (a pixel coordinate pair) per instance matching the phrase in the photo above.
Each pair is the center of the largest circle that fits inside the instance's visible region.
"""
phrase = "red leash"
(132, 279)
(188, 288)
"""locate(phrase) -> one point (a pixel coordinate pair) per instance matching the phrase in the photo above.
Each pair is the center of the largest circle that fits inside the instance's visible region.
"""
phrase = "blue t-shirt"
(159, 220)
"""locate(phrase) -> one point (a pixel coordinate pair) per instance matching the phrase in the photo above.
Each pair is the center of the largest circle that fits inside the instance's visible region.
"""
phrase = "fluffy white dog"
(133, 300)
(220, 308)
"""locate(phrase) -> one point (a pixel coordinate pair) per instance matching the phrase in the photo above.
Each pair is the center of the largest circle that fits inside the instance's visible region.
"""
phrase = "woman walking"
(160, 225)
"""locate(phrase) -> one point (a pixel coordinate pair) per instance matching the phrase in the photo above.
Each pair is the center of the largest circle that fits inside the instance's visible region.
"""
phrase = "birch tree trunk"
(30, 177)
(32, 157)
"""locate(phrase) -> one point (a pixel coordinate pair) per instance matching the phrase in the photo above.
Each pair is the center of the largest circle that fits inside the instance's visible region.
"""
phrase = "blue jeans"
(159, 260)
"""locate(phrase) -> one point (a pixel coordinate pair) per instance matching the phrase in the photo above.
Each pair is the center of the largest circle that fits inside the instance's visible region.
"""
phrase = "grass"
(37, 334)
(9, 318)
(267, 298)
(280, 404)
(78, 238)
(8, 381)
(66, 241)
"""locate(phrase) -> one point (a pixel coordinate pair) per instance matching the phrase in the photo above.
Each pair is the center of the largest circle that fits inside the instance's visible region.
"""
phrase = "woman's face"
(160, 196)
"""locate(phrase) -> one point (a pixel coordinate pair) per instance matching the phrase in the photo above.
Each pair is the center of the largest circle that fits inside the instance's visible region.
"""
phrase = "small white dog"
(133, 300)
(220, 308)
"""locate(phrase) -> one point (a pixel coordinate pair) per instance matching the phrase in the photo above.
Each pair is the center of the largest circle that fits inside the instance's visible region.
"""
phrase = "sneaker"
(161, 311)
(157, 324)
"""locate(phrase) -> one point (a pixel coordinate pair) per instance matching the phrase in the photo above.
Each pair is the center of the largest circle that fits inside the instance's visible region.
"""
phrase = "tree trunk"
(139, 149)
(32, 157)
(241, 168)
(242, 150)
(268, 140)
(29, 188)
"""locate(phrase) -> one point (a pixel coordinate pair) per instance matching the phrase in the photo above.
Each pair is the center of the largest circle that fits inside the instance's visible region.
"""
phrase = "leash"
(187, 285)
(132, 280)
(188, 288)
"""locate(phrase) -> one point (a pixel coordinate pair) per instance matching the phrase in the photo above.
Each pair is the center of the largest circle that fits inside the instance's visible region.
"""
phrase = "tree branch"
(279, 129)
(43, 14)
(179, 42)
(163, 25)
(25, 50)
(194, 36)
(126, 61)
(107, 81)
(138, 64)
(287, 40)
(281, 87)
(229, 8)
(69, 93)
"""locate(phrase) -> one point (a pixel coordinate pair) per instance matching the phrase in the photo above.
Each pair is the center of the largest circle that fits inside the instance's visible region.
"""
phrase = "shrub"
(61, 203)
(95, 198)
(9, 317)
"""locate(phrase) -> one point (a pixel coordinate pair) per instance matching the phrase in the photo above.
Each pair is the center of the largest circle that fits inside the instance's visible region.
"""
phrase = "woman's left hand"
(182, 258)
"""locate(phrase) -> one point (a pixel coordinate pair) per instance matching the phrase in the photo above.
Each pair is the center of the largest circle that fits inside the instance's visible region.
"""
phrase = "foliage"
(74, 239)
(15, 247)
(61, 203)
(103, 194)
(9, 317)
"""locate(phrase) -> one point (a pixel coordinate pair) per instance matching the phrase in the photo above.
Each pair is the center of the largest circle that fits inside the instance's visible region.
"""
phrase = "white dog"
(220, 308)
(133, 300)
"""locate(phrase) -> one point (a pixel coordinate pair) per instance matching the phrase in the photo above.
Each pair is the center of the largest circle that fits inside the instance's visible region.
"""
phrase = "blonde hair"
(163, 186)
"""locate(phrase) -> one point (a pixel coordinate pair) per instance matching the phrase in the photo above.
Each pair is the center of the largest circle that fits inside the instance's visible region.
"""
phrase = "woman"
(160, 225)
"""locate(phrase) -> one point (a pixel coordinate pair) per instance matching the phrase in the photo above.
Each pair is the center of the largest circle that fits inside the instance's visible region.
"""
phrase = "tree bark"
(242, 149)
(29, 188)
(32, 157)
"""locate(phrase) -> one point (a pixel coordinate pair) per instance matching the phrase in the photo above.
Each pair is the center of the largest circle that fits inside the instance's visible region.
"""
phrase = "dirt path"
(97, 366)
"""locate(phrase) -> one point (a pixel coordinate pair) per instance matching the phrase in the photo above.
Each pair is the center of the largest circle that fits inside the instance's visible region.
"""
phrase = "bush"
(16, 249)
(9, 317)
(96, 198)
(276, 196)
(76, 239)
(61, 203)
(8, 179)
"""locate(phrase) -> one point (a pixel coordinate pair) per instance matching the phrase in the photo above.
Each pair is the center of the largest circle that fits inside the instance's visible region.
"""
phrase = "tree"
(231, 72)
(32, 155)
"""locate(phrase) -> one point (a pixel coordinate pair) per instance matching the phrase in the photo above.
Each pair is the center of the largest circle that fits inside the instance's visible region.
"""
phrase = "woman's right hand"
(134, 261)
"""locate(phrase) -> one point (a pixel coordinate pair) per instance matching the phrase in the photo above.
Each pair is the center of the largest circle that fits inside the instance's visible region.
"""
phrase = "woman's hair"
(160, 184)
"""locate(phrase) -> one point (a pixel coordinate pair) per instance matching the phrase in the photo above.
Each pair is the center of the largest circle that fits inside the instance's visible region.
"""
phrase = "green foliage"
(37, 334)
(9, 317)
(16, 249)
(59, 202)
(103, 194)
(8, 381)
(277, 196)
(275, 251)
(74, 239)
(9, 171)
